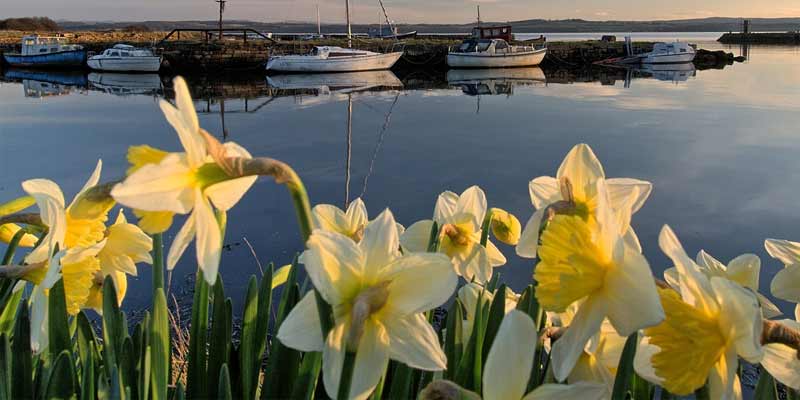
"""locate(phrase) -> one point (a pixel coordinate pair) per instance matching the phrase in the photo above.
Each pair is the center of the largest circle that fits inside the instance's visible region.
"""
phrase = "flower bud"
(16, 205)
(505, 227)
(446, 390)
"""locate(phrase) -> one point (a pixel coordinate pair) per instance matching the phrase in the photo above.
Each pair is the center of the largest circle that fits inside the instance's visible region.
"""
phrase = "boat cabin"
(673, 48)
(125, 50)
(489, 46)
(333, 51)
(493, 32)
(34, 45)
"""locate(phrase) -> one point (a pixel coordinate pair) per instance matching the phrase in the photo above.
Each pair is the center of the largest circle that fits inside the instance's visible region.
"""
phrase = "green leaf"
(58, 325)
(250, 360)
(453, 340)
(159, 346)
(625, 374)
(468, 374)
(6, 380)
(221, 328)
(88, 377)
(195, 384)
(61, 384)
(8, 316)
(641, 388)
(224, 384)
(433, 238)
(496, 313)
(127, 364)
(346, 378)
(306, 383)
(283, 363)
(401, 381)
(766, 388)
(158, 262)
(22, 367)
(114, 330)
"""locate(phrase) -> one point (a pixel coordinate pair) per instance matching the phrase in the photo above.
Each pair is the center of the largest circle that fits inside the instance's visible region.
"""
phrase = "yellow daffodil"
(184, 183)
(576, 181)
(508, 369)
(744, 270)
(350, 223)
(782, 361)
(8, 231)
(459, 219)
(378, 297)
(786, 283)
(710, 323)
(469, 295)
(590, 262)
(505, 226)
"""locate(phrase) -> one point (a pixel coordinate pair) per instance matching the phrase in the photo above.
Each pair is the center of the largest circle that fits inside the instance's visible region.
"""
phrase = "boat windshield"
(483, 45)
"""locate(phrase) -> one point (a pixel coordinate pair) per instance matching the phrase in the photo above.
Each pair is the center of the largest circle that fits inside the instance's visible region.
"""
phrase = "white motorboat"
(669, 53)
(334, 59)
(494, 53)
(125, 58)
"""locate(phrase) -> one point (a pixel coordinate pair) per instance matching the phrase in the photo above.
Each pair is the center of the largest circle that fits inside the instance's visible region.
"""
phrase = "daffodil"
(786, 283)
(575, 182)
(710, 323)
(350, 223)
(185, 183)
(378, 297)
(590, 262)
(8, 231)
(469, 295)
(782, 361)
(508, 369)
(459, 219)
(744, 270)
(505, 226)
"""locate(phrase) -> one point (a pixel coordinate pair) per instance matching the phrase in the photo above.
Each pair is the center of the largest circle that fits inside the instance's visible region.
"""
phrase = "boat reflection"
(121, 84)
(327, 84)
(47, 83)
(675, 73)
(475, 82)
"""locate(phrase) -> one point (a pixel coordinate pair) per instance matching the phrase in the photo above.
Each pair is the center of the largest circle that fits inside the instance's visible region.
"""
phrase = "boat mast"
(348, 154)
(349, 28)
(479, 15)
(319, 24)
(221, 10)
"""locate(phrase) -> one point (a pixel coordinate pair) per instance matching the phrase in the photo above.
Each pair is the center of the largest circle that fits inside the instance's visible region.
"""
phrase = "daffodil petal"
(583, 169)
(713, 266)
(786, 284)
(745, 270)
(781, 361)
(723, 383)
(510, 360)
(544, 191)
(576, 391)
(468, 295)
(184, 120)
(621, 190)
(631, 295)
(329, 218)
(695, 288)
(417, 236)
(473, 203)
(50, 201)
(93, 180)
(413, 342)
(768, 308)
(334, 264)
(673, 278)
(209, 239)
(39, 316)
(166, 186)
(642, 361)
(301, 329)
(445, 207)
(408, 294)
(226, 194)
(181, 241)
(371, 359)
(529, 239)
(473, 263)
(589, 369)
(632, 240)
(496, 258)
(740, 315)
(380, 244)
(785, 251)
(569, 347)
(333, 359)
(357, 213)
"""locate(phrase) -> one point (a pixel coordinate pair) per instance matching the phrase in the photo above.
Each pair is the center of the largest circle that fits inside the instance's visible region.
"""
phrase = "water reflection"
(47, 83)
(475, 82)
(675, 73)
(126, 84)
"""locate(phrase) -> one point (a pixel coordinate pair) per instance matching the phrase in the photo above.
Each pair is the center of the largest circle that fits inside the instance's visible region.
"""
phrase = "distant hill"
(29, 24)
(716, 24)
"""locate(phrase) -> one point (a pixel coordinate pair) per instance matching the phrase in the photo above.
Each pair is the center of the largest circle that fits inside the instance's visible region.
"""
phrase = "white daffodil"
(508, 370)
(782, 361)
(786, 283)
(187, 183)
(577, 176)
(590, 262)
(350, 223)
(744, 270)
(469, 295)
(709, 324)
(378, 297)
(459, 219)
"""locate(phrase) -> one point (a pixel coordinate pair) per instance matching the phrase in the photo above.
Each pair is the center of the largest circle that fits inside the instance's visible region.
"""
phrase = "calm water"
(721, 146)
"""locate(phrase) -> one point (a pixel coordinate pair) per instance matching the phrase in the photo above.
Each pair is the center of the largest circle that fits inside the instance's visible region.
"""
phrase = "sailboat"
(335, 59)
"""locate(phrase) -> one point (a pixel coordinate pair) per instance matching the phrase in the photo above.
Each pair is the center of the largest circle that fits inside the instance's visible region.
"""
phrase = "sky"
(403, 11)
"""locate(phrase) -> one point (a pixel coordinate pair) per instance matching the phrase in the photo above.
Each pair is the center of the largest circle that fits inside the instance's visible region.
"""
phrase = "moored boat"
(494, 53)
(45, 52)
(334, 59)
(390, 32)
(125, 58)
(669, 53)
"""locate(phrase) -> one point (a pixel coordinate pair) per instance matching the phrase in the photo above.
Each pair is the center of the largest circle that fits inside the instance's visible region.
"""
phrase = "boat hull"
(72, 58)
(479, 60)
(310, 64)
(681, 58)
(125, 64)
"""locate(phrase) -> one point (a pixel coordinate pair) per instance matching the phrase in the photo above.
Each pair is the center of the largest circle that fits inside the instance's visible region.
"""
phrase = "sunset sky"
(409, 11)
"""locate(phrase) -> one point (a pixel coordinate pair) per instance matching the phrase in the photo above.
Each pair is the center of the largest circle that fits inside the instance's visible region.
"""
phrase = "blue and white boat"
(43, 51)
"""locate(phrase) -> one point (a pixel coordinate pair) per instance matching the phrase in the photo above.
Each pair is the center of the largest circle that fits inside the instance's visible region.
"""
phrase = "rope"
(381, 137)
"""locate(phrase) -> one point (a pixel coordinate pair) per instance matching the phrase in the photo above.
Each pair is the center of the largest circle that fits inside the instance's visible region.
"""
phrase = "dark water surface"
(720, 146)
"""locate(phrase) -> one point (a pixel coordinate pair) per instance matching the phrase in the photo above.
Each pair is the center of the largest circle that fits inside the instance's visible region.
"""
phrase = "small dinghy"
(125, 58)
(494, 53)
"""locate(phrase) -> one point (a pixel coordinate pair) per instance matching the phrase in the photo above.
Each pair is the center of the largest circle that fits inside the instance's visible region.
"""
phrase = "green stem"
(12, 247)
(485, 226)
(158, 262)
(347, 375)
